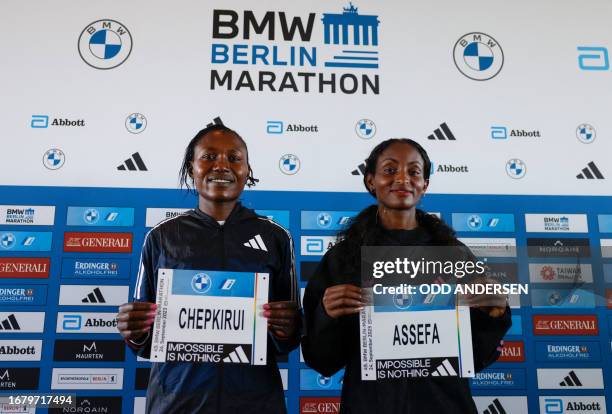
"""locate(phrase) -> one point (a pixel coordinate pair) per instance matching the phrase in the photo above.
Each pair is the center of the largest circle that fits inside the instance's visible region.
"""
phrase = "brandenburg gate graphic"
(364, 29)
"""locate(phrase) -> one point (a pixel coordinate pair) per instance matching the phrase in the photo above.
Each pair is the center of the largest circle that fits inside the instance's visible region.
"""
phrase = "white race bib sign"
(400, 341)
(210, 316)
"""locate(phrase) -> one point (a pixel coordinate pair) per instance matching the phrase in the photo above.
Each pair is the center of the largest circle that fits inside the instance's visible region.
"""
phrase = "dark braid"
(365, 230)
(186, 169)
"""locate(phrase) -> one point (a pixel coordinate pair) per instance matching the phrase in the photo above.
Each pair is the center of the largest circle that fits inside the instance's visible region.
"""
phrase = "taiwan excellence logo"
(54, 159)
(478, 56)
(136, 123)
(586, 133)
(289, 164)
(365, 128)
(105, 44)
(516, 168)
(201, 283)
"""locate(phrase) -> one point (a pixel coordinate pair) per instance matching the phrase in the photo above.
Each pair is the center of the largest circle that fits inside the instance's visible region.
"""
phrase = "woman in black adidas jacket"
(220, 234)
(397, 174)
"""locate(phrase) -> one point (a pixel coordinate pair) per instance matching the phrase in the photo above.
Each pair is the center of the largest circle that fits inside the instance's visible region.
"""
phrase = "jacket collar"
(239, 213)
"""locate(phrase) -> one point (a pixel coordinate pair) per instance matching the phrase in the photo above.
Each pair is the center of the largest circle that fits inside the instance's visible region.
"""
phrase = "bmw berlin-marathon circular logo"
(478, 56)
(365, 128)
(201, 283)
(516, 168)
(54, 159)
(91, 216)
(474, 222)
(586, 133)
(289, 164)
(105, 44)
(7, 240)
(135, 123)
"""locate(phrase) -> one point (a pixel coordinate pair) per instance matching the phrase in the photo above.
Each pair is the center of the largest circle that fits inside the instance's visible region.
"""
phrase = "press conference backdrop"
(99, 100)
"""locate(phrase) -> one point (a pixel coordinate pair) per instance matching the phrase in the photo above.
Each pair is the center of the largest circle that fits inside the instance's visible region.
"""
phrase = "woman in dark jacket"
(397, 174)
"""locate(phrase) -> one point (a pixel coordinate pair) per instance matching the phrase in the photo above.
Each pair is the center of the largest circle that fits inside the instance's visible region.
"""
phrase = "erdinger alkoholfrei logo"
(516, 168)
(585, 133)
(105, 44)
(201, 283)
(478, 56)
(272, 51)
(365, 128)
(54, 159)
(136, 123)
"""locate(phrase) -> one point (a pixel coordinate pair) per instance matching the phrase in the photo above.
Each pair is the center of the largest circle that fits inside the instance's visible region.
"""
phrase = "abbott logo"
(72, 322)
(593, 58)
(499, 132)
(40, 121)
(274, 127)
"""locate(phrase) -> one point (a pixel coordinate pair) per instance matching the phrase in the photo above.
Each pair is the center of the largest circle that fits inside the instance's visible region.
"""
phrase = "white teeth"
(217, 180)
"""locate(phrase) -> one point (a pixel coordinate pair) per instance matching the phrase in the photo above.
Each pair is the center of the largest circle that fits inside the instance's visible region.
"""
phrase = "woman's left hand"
(282, 318)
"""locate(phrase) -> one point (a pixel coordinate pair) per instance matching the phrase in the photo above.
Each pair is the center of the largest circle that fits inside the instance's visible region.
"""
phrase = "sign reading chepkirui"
(210, 316)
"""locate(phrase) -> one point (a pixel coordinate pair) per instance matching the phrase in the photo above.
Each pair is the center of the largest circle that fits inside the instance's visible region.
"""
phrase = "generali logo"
(319, 405)
(98, 242)
(25, 267)
(565, 325)
(512, 351)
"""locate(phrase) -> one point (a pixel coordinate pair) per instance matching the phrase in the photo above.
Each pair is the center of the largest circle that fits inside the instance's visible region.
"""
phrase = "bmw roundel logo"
(54, 159)
(201, 283)
(365, 128)
(586, 133)
(324, 220)
(402, 300)
(105, 44)
(136, 123)
(474, 222)
(478, 56)
(289, 164)
(91, 216)
(324, 382)
(7, 241)
(554, 298)
(516, 168)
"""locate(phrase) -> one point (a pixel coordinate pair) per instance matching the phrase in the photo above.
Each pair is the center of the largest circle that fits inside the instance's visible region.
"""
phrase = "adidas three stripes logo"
(256, 243)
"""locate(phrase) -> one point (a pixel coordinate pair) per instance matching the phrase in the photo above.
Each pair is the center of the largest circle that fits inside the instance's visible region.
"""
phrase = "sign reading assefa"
(405, 343)
(210, 316)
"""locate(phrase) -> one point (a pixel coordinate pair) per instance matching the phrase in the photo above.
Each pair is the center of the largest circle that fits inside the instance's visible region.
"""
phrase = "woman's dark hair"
(365, 229)
(186, 169)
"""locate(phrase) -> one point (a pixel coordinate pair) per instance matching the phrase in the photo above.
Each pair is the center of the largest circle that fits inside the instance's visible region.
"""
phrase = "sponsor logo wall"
(311, 95)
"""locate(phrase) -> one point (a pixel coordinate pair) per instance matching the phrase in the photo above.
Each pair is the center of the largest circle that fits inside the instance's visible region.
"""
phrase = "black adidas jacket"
(332, 344)
(245, 242)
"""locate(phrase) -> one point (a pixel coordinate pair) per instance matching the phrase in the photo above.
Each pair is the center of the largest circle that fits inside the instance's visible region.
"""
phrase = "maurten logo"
(256, 243)
(136, 123)
(442, 134)
(495, 408)
(94, 296)
(135, 163)
(590, 172)
(10, 324)
(105, 44)
(478, 56)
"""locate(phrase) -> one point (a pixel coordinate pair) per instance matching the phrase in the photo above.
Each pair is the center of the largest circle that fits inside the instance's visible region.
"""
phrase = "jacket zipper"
(220, 367)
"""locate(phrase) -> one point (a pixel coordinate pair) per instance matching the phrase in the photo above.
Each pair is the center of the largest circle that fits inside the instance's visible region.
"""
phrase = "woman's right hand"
(342, 300)
(134, 319)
